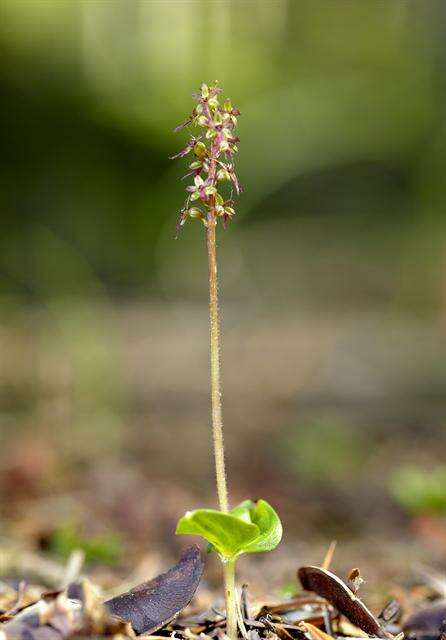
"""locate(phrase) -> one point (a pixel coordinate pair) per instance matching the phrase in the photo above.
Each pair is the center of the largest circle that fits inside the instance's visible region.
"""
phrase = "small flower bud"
(200, 150)
(219, 210)
(202, 121)
(223, 174)
(213, 103)
(204, 91)
(195, 212)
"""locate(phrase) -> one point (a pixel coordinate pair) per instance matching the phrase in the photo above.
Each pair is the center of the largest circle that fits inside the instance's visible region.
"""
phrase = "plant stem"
(217, 421)
(231, 607)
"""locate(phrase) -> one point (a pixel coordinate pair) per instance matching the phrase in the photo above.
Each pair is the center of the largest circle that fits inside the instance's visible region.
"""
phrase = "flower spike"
(214, 151)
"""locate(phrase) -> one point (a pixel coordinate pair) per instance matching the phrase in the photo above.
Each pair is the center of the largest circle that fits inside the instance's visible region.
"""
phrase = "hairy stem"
(231, 605)
(217, 421)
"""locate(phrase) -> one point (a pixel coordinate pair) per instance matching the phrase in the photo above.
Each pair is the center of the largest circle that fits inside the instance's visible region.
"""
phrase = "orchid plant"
(250, 527)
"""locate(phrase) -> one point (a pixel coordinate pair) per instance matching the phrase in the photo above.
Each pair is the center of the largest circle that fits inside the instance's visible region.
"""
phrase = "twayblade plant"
(250, 527)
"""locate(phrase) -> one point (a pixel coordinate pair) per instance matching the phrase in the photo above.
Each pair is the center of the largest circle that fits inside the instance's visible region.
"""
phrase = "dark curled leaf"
(151, 605)
(429, 620)
(333, 589)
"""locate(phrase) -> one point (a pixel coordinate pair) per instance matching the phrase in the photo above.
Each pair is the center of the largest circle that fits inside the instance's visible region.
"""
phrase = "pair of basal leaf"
(251, 527)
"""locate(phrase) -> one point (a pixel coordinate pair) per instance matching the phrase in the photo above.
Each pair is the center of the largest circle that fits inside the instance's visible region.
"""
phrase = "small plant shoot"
(248, 528)
(251, 527)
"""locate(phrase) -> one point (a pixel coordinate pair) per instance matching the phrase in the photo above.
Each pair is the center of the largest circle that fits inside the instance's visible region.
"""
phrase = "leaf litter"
(328, 608)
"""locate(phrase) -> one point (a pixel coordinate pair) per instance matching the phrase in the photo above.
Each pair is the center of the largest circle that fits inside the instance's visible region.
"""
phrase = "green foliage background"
(342, 131)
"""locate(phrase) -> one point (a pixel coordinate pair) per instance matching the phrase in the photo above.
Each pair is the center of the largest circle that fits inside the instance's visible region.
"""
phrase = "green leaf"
(248, 528)
(263, 515)
(228, 535)
(243, 510)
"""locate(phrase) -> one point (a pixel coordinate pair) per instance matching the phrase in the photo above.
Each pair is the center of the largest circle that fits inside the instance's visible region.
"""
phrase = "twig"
(329, 555)
(73, 568)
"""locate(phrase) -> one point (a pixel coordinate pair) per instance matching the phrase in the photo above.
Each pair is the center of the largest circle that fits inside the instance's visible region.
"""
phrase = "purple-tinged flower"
(201, 189)
(225, 210)
(190, 145)
(184, 124)
(234, 179)
(227, 172)
(206, 93)
(197, 167)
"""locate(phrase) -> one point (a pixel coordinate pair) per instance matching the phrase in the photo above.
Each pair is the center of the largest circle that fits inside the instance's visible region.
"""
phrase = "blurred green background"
(333, 280)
